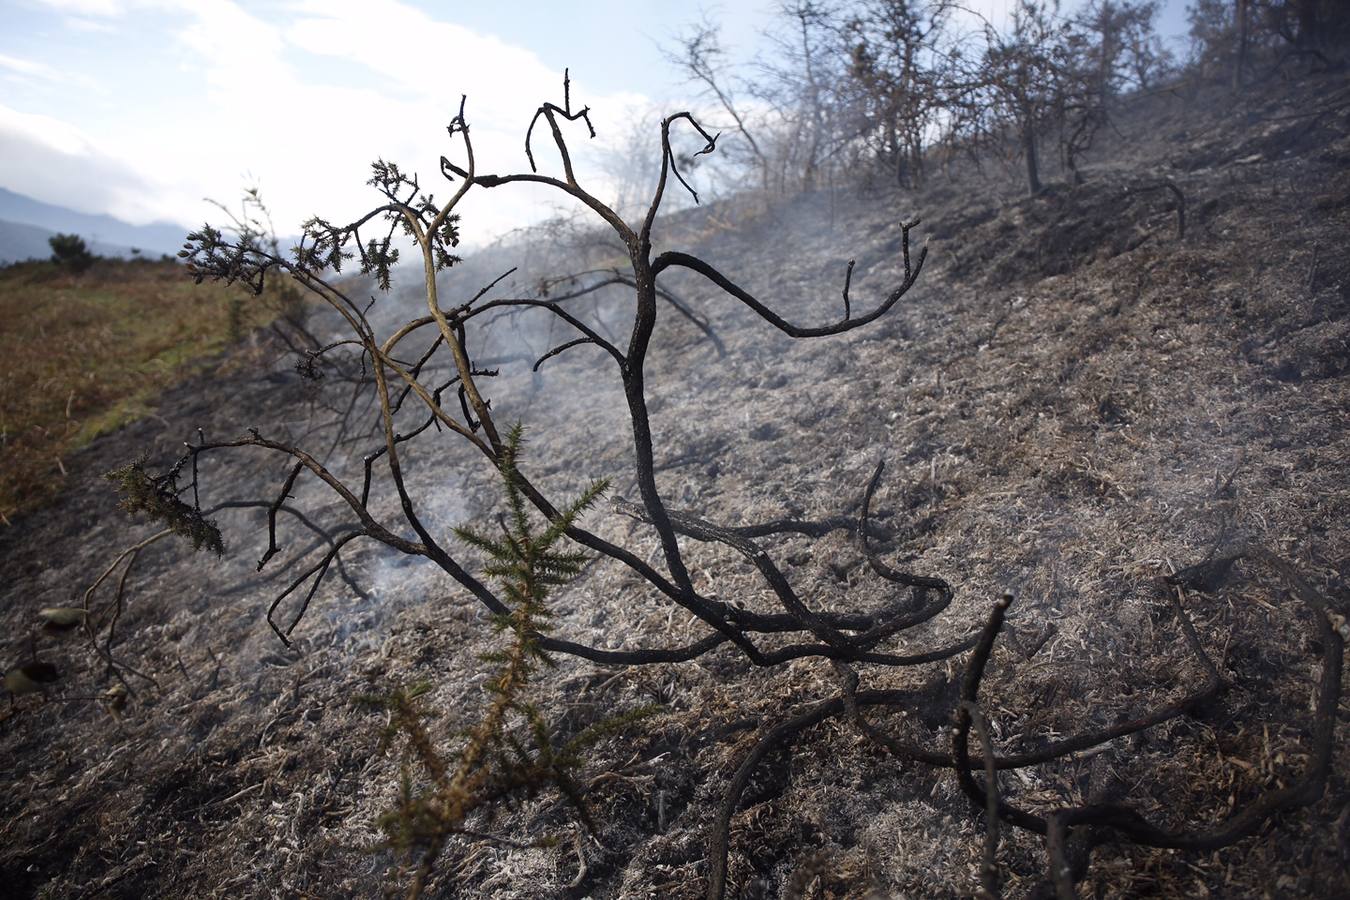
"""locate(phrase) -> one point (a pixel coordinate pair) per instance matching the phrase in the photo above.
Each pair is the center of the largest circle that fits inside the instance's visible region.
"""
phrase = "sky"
(143, 108)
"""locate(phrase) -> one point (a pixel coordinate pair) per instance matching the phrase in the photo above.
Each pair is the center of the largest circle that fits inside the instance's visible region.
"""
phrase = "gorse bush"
(511, 748)
(157, 496)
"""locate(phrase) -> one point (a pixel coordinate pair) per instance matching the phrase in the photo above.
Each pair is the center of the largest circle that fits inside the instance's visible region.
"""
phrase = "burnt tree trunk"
(1029, 151)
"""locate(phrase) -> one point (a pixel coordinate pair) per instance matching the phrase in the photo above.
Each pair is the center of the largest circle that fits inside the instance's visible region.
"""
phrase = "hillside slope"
(152, 240)
(19, 242)
(1073, 403)
(83, 354)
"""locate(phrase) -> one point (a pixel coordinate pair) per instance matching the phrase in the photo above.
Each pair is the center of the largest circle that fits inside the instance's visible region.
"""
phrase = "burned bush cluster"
(512, 748)
(902, 89)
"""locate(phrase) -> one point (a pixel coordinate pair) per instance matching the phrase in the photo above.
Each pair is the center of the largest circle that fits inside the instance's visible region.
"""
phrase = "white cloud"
(423, 56)
(27, 67)
(44, 131)
(27, 70)
(109, 8)
(239, 51)
(82, 23)
(318, 139)
(304, 100)
(53, 161)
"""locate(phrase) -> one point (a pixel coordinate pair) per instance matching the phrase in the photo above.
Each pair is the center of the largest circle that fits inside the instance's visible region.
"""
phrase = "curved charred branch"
(693, 263)
(881, 568)
(808, 527)
(615, 277)
(848, 283)
(282, 497)
(718, 843)
(667, 167)
(1114, 819)
(852, 654)
(549, 111)
(720, 839)
(317, 572)
(552, 306)
(709, 147)
(702, 530)
(558, 350)
(469, 420)
(320, 352)
(640, 657)
(599, 208)
(989, 874)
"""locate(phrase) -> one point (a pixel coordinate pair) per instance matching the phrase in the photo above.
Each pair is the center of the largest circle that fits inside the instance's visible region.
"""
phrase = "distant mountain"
(19, 242)
(152, 240)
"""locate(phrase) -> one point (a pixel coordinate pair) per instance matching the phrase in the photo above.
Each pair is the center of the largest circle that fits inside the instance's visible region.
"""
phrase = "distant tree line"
(897, 87)
(71, 254)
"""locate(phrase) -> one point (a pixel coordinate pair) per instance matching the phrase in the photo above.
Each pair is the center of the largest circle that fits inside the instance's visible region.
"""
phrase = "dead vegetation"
(1081, 434)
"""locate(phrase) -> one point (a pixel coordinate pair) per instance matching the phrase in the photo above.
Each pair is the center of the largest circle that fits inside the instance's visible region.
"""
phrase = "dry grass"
(1072, 419)
(83, 355)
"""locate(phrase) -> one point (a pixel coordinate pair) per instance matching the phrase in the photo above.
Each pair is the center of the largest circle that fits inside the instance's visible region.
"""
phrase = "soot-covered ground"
(1073, 403)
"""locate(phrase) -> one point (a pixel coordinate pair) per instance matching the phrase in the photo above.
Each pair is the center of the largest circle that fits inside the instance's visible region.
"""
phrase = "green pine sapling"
(510, 749)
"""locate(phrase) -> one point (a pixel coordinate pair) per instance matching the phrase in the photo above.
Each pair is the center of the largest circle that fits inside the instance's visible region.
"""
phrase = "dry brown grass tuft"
(82, 355)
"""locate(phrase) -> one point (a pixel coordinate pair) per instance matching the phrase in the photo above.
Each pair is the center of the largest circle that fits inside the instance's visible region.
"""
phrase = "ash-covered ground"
(1072, 403)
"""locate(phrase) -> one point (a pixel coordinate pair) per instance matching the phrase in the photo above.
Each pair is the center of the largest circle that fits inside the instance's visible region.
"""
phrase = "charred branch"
(409, 401)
